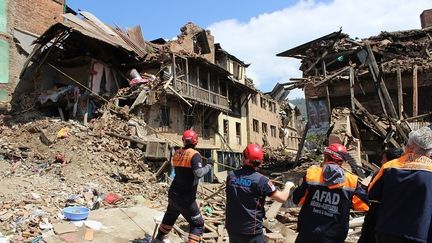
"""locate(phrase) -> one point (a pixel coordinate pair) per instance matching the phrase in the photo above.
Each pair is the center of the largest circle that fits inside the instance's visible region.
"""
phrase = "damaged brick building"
(16, 35)
(272, 121)
(384, 81)
(82, 66)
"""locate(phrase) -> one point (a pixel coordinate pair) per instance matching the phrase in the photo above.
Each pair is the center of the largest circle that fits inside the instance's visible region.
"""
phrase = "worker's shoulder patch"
(270, 184)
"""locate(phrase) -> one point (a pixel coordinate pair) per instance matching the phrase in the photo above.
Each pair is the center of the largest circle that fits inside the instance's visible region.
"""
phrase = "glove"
(210, 162)
(289, 184)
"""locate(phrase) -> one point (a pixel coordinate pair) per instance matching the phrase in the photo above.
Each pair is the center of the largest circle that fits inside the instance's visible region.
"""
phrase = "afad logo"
(243, 182)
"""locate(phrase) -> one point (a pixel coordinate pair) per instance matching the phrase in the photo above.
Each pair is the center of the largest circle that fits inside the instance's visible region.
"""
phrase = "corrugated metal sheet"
(92, 27)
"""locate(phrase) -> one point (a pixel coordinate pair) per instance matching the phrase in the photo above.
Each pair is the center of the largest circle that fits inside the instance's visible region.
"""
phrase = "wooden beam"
(328, 99)
(415, 91)
(174, 70)
(302, 141)
(332, 76)
(316, 62)
(418, 117)
(381, 130)
(179, 95)
(351, 78)
(324, 68)
(379, 79)
(400, 92)
(187, 76)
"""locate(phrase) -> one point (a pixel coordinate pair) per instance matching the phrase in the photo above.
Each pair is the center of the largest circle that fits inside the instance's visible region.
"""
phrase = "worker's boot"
(161, 240)
(194, 238)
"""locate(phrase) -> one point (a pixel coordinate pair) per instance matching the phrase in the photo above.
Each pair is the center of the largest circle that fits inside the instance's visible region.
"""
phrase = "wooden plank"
(273, 210)
(174, 69)
(140, 99)
(400, 92)
(179, 95)
(351, 78)
(220, 231)
(162, 169)
(415, 91)
(332, 76)
(418, 117)
(374, 71)
(302, 141)
(381, 130)
(316, 62)
(324, 68)
(380, 81)
(328, 99)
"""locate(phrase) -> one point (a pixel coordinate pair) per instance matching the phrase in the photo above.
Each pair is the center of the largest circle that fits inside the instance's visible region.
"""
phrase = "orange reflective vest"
(183, 157)
(324, 215)
(403, 187)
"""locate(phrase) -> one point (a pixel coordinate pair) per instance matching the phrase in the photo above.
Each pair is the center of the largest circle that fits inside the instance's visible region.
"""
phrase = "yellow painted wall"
(232, 131)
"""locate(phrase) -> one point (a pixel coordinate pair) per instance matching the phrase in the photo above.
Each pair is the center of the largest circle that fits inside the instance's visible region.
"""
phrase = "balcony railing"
(197, 93)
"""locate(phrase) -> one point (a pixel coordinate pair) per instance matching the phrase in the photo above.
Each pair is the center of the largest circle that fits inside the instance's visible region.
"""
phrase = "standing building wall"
(26, 19)
(264, 122)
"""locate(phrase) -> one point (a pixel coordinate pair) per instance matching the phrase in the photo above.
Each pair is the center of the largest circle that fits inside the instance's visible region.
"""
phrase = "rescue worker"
(404, 188)
(246, 190)
(368, 228)
(187, 163)
(326, 194)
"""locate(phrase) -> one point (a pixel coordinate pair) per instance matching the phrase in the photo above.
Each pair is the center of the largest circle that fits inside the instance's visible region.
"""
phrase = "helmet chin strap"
(255, 163)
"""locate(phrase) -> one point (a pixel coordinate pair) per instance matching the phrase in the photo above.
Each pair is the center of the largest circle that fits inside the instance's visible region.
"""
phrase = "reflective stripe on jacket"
(327, 195)
(183, 157)
(404, 188)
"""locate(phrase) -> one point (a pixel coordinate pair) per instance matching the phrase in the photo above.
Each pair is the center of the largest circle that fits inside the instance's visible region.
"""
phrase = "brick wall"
(271, 118)
(37, 15)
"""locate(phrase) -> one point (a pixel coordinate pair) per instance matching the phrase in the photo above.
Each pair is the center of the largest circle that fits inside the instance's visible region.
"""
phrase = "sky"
(256, 30)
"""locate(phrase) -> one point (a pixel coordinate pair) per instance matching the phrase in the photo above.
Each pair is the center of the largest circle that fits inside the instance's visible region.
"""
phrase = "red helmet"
(253, 155)
(190, 137)
(336, 151)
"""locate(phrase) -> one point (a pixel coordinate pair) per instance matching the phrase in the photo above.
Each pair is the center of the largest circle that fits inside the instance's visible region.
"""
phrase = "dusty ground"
(41, 172)
(34, 185)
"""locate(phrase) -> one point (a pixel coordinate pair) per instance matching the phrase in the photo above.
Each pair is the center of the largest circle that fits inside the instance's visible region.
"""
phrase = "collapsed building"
(383, 82)
(81, 68)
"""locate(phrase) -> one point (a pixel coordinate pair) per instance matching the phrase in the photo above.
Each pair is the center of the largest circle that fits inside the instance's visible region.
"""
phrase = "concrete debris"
(89, 167)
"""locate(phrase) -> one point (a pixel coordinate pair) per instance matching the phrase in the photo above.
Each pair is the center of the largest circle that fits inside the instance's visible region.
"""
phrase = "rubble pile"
(49, 164)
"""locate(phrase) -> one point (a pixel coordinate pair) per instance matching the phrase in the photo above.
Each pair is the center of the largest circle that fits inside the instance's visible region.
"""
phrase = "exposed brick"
(37, 15)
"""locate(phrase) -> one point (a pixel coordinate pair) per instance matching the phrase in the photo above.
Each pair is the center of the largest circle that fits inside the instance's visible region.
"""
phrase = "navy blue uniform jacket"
(246, 191)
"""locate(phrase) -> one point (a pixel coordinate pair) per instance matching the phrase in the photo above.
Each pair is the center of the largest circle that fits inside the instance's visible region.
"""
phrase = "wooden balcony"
(202, 95)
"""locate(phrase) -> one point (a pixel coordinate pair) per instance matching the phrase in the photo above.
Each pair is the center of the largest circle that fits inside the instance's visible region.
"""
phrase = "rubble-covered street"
(98, 124)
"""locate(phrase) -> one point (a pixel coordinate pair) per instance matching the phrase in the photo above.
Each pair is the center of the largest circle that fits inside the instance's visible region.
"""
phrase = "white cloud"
(262, 37)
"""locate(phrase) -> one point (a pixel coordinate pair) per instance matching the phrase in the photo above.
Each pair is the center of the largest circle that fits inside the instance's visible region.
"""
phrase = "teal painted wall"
(3, 95)
(4, 62)
(3, 16)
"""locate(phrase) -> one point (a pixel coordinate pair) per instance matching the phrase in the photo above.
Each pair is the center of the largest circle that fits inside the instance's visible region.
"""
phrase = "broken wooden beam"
(418, 117)
(415, 91)
(377, 74)
(381, 130)
(351, 78)
(179, 95)
(332, 76)
(139, 141)
(302, 141)
(400, 91)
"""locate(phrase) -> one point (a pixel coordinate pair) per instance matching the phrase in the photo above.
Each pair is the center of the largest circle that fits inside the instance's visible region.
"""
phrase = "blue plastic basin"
(76, 213)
